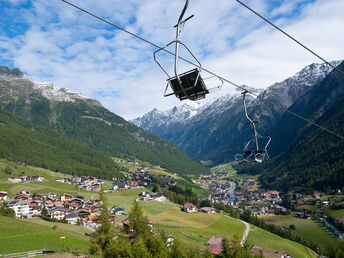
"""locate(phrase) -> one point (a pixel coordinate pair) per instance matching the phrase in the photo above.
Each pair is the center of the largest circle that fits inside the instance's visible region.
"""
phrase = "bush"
(4, 211)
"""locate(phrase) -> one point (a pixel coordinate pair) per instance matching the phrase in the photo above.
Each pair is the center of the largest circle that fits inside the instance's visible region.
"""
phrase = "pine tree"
(177, 250)
(103, 234)
(139, 249)
(120, 247)
(226, 251)
(138, 222)
(157, 246)
(44, 212)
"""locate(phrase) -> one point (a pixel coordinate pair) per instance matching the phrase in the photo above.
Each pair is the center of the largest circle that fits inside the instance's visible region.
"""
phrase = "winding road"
(247, 230)
(245, 235)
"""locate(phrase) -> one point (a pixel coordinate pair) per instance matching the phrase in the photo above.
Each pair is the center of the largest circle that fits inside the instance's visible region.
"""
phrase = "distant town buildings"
(26, 179)
(87, 183)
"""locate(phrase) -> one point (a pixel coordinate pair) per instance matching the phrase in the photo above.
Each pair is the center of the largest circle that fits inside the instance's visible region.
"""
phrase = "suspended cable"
(289, 36)
(208, 71)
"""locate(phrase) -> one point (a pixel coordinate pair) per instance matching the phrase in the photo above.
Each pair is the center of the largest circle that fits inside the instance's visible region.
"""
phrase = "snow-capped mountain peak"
(49, 91)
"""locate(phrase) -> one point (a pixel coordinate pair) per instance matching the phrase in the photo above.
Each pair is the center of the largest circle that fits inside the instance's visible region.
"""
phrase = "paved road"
(245, 235)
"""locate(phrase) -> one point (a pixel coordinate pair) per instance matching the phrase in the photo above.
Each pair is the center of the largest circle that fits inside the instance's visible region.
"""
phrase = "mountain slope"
(75, 116)
(310, 158)
(23, 141)
(217, 131)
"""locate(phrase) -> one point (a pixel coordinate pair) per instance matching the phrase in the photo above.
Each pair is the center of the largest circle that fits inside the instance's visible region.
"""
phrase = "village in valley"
(238, 193)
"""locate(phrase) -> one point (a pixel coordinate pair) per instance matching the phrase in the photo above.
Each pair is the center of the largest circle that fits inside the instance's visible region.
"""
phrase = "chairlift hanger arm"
(178, 32)
(191, 16)
(253, 126)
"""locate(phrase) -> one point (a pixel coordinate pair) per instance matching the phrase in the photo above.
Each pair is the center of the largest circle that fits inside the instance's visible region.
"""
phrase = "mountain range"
(214, 132)
(83, 120)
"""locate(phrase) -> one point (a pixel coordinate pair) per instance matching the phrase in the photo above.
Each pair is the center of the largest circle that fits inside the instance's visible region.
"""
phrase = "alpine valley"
(214, 132)
(65, 131)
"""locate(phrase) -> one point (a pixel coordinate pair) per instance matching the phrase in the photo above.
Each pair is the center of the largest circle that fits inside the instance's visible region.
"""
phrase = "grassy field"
(194, 229)
(181, 182)
(228, 166)
(307, 229)
(334, 213)
(18, 235)
(270, 241)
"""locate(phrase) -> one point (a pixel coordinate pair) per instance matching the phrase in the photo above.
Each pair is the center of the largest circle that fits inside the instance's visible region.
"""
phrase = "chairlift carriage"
(190, 84)
(252, 151)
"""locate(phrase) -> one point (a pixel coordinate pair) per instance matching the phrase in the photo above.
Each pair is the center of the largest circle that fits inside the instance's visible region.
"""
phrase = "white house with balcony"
(21, 208)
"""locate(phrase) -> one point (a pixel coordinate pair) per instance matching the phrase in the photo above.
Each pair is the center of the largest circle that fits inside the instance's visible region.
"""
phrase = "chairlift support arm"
(252, 123)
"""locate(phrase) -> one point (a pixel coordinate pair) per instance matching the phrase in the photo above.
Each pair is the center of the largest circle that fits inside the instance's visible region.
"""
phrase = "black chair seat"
(254, 152)
(188, 89)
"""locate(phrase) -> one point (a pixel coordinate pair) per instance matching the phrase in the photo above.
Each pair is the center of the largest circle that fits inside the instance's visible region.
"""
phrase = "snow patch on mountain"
(191, 111)
(292, 88)
(285, 93)
(49, 91)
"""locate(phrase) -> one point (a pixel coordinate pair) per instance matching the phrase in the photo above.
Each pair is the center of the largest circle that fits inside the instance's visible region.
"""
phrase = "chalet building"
(26, 179)
(269, 253)
(209, 210)
(158, 197)
(52, 196)
(37, 179)
(66, 197)
(83, 213)
(93, 220)
(274, 194)
(21, 208)
(119, 186)
(72, 218)
(189, 207)
(118, 210)
(132, 184)
(34, 209)
(49, 204)
(144, 193)
(14, 180)
(58, 213)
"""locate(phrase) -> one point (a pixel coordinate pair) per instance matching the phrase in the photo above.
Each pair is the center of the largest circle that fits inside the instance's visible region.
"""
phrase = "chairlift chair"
(187, 85)
(253, 153)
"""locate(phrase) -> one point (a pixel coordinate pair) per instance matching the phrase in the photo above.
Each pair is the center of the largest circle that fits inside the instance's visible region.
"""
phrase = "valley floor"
(193, 229)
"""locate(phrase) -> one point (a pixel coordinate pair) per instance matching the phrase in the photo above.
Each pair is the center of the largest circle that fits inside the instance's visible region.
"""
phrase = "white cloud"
(74, 50)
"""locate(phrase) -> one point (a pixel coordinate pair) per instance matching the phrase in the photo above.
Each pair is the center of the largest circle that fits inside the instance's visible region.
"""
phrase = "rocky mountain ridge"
(14, 84)
(221, 125)
(85, 120)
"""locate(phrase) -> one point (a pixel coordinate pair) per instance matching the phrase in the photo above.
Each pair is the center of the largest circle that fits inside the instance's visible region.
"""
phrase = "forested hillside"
(85, 120)
(309, 158)
(23, 141)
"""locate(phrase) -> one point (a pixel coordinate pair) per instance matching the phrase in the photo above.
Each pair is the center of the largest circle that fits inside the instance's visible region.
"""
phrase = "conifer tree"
(139, 248)
(138, 222)
(177, 250)
(103, 234)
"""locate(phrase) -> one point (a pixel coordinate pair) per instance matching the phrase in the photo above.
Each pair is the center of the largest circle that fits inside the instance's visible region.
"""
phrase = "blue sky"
(51, 41)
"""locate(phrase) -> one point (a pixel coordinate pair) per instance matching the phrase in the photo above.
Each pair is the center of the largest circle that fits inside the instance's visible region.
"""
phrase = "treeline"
(312, 161)
(22, 141)
(101, 129)
(177, 195)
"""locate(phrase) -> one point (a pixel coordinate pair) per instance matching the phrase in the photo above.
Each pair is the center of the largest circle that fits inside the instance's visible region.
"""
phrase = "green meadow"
(193, 229)
(307, 229)
(18, 235)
